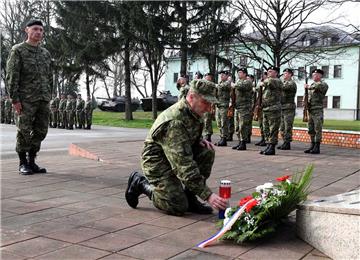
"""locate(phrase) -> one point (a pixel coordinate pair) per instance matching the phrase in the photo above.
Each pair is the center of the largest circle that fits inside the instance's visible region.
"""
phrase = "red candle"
(225, 189)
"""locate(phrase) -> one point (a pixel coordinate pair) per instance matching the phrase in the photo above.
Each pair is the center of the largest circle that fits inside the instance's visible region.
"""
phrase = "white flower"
(264, 187)
(227, 218)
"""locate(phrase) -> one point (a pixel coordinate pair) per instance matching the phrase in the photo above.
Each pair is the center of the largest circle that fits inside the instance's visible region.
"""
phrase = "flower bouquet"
(258, 215)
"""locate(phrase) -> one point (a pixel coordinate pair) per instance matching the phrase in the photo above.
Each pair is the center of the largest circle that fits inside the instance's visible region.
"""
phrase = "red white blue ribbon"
(226, 227)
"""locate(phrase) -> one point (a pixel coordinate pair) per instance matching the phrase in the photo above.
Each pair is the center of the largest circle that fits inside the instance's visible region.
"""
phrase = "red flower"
(243, 201)
(250, 205)
(283, 178)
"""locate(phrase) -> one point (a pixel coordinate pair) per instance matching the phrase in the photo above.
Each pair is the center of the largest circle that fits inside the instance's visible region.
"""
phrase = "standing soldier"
(288, 108)
(243, 108)
(2, 109)
(231, 111)
(222, 107)
(182, 86)
(208, 116)
(62, 112)
(260, 119)
(8, 110)
(70, 112)
(88, 112)
(271, 108)
(80, 105)
(317, 91)
(252, 79)
(29, 77)
(54, 109)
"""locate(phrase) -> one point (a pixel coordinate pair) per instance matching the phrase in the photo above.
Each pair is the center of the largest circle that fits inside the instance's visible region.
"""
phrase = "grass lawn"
(143, 120)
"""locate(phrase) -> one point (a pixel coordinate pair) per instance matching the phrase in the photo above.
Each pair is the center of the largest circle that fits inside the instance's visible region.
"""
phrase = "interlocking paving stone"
(197, 255)
(76, 235)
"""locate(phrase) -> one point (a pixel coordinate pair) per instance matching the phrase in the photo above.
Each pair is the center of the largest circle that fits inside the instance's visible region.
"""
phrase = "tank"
(164, 100)
(116, 104)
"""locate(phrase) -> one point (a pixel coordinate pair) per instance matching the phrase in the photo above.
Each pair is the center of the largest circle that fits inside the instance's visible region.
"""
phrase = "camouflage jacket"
(62, 104)
(70, 105)
(7, 104)
(80, 104)
(183, 91)
(170, 141)
(288, 94)
(29, 73)
(54, 104)
(88, 106)
(223, 94)
(271, 95)
(243, 94)
(317, 92)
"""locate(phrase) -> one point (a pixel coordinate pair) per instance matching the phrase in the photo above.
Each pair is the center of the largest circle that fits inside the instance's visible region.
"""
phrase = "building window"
(326, 71)
(176, 75)
(301, 73)
(312, 68)
(299, 101)
(336, 102)
(337, 71)
(325, 102)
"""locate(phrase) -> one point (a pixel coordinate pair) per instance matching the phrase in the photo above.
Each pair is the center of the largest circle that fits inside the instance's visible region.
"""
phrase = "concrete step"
(332, 224)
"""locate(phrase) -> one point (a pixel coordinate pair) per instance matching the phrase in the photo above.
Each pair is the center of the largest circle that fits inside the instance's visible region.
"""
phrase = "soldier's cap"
(289, 70)
(318, 71)
(199, 74)
(226, 72)
(34, 22)
(274, 68)
(242, 70)
(205, 88)
(183, 76)
(209, 74)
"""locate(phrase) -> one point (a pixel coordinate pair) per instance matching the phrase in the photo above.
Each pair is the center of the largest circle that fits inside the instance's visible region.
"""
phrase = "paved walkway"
(78, 210)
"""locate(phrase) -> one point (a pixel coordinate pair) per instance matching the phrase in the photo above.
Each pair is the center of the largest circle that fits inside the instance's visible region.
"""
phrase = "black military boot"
(316, 149)
(88, 127)
(242, 146)
(55, 125)
(222, 142)
(34, 167)
(208, 137)
(310, 148)
(137, 185)
(261, 142)
(285, 146)
(24, 168)
(248, 141)
(236, 146)
(270, 150)
(229, 138)
(267, 148)
(196, 206)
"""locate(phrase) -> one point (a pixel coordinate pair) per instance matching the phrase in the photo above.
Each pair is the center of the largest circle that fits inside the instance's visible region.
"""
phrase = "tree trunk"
(184, 38)
(128, 113)
(87, 83)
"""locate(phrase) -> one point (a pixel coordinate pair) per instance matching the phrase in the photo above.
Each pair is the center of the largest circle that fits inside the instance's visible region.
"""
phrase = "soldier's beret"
(242, 70)
(183, 76)
(205, 88)
(209, 74)
(34, 22)
(274, 68)
(318, 71)
(289, 70)
(224, 72)
(199, 74)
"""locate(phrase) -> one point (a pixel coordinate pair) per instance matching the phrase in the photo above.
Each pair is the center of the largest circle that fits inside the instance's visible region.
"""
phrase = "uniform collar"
(186, 105)
(30, 47)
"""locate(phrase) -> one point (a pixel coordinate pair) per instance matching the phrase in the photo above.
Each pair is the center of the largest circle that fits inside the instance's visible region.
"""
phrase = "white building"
(342, 73)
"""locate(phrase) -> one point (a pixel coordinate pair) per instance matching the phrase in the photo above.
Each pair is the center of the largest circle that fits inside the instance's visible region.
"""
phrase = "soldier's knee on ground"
(172, 204)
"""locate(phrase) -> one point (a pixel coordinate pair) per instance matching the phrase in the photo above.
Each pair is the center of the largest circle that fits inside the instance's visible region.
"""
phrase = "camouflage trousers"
(261, 126)
(54, 118)
(168, 191)
(32, 126)
(231, 126)
(271, 124)
(316, 120)
(88, 118)
(62, 118)
(208, 129)
(8, 116)
(80, 120)
(242, 121)
(70, 116)
(286, 125)
(222, 121)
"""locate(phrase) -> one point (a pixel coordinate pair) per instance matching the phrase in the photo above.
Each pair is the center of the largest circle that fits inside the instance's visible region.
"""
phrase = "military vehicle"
(164, 100)
(116, 104)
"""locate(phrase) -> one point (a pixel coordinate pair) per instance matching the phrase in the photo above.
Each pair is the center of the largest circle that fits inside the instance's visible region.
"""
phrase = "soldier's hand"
(17, 106)
(207, 144)
(217, 202)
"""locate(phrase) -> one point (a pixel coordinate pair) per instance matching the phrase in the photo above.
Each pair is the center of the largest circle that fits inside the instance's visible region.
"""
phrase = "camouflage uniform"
(288, 108)
(70, 112)
(88, 113)
(80, 104)
(172, 157)
(243, 108)
(62, 113)
(271, 108)
(317, 93)
(8, 111)
(183, 91)
(2, 107)
(29, 77)
(223, 95)
(54, 108)
(260, 119)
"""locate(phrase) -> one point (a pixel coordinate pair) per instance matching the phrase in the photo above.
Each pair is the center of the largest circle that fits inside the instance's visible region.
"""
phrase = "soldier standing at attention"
(231, 111)
(208, 116)
(54, 109)
(243, 108)
(288, 108)
(2, 107)
(222, 107)
(88, 113)
(252, 80)
(260, 119)
(175, 160)
(80, 105)
(29, 77)
(70, 112)
(62, 112)
(317, 92)
(271, 108)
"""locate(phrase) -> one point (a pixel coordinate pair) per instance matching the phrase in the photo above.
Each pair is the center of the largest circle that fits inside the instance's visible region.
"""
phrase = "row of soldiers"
(7, 111)
(271, 103)
(68, 112)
